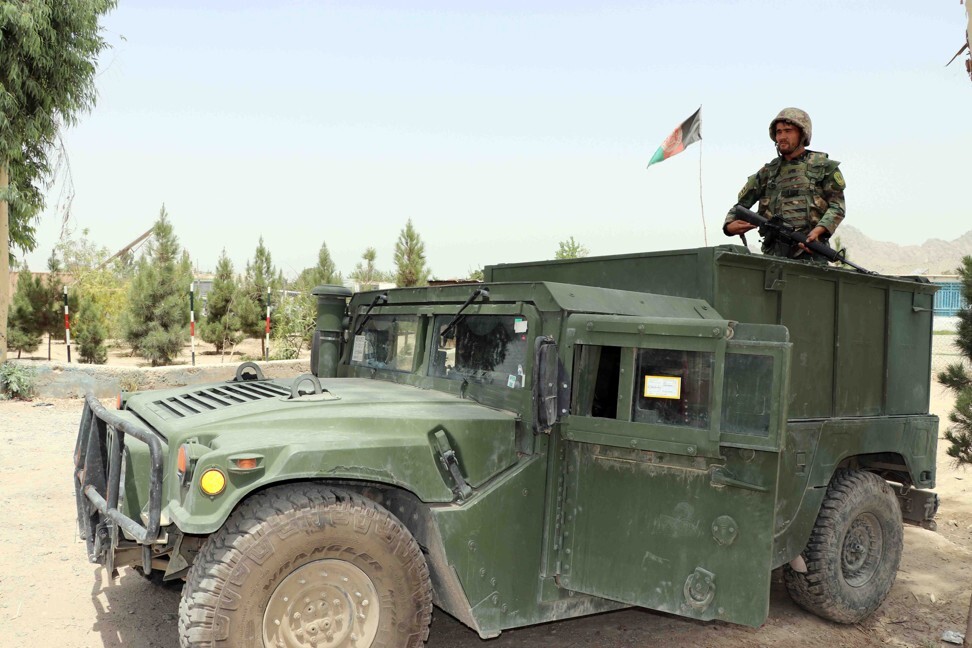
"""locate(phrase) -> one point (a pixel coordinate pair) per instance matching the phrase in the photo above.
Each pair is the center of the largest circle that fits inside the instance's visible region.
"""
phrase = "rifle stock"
(786, 232)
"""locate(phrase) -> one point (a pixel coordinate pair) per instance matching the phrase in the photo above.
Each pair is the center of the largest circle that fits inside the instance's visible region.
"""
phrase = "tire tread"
(246, 527)
(816, 591)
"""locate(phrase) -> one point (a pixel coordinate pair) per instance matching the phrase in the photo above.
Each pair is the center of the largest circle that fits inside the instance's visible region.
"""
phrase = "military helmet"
(796, 117)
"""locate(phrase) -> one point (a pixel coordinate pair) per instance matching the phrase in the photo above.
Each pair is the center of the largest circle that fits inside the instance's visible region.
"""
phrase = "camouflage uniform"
(805, 192)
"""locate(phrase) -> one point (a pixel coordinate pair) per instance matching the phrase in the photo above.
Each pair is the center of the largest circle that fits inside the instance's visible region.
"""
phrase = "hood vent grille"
(215, 398)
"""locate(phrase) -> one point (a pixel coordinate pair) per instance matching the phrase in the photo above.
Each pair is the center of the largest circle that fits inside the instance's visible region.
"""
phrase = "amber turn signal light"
(247, 463)
(182, 460)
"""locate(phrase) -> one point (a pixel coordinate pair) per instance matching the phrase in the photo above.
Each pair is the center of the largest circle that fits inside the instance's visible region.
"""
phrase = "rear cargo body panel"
(858, 340)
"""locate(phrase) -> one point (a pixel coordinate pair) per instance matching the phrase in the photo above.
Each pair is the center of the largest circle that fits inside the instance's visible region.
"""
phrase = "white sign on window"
(663, 387)
(358, 351)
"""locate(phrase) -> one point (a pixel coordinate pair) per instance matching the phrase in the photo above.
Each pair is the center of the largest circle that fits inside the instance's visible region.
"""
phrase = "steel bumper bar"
(98, 475)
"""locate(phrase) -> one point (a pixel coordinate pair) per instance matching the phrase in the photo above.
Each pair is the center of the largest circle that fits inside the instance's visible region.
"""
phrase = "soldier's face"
(788, 138)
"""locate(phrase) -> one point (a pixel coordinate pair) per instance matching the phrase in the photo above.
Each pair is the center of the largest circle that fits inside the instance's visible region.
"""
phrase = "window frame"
(705, 335)
(419, 346)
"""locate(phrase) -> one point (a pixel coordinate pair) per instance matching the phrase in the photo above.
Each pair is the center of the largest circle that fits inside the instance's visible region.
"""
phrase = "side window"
(747, 394)
(597, 371)
(386, 342)
(673, 387)
(486, 349)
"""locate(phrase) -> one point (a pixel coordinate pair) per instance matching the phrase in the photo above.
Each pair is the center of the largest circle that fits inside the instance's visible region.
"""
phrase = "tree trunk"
(4, 262)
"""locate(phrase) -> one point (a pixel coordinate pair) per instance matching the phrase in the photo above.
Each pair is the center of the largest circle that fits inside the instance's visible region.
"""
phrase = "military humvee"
(568, 437)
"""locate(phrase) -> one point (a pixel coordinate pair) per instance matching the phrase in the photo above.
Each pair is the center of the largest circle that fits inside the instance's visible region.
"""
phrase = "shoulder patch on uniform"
(751, 183)
(839, 179)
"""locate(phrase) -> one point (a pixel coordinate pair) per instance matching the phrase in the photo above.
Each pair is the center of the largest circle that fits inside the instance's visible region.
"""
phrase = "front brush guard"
(98, 474)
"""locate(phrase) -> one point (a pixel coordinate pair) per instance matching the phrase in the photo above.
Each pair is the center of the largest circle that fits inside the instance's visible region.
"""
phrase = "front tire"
(300, 565)
(854, 550)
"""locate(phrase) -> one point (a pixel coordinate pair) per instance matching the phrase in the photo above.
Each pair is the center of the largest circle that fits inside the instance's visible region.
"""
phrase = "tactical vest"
(794, 189)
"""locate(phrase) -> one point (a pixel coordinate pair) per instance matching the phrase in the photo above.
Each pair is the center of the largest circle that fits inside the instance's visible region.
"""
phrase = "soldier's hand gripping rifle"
(781, 230)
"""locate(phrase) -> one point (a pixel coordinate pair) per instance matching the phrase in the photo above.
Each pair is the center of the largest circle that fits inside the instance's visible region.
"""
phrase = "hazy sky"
(501, 128)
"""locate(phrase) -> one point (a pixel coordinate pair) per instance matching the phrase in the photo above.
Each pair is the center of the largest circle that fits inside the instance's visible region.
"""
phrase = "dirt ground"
(50, 594)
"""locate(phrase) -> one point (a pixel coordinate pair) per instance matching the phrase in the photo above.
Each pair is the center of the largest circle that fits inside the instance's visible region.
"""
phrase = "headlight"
(212, 481)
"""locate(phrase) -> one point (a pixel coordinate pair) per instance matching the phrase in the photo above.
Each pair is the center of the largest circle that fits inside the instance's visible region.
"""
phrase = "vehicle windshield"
(485, 349)
(386, 342)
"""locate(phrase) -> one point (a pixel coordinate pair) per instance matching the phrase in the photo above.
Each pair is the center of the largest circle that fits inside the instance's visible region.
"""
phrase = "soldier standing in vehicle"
(804, 188)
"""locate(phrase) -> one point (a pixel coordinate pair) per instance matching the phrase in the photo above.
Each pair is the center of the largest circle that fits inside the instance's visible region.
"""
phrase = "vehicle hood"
(356, 421)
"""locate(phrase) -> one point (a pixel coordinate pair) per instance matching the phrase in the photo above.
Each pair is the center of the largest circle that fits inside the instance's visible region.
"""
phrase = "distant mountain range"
(934, 256)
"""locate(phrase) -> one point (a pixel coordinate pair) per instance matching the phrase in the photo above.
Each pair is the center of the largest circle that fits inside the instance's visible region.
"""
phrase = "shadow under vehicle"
(658, 430)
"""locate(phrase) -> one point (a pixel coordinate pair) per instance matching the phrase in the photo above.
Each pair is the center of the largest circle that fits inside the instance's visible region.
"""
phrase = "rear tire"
(300, 565)
(854, 550)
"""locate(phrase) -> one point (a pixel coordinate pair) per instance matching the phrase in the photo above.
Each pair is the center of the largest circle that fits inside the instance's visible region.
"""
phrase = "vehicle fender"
(411, 465)
(816, 449)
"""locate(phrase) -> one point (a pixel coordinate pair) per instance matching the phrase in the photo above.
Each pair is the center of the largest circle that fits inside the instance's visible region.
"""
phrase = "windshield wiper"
(379, 299)
(484, 292)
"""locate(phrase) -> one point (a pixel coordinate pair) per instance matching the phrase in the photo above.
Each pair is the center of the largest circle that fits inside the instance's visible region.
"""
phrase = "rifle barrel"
(787, 232)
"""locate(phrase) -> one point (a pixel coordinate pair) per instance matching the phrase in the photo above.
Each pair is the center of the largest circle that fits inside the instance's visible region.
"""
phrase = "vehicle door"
(670, 460)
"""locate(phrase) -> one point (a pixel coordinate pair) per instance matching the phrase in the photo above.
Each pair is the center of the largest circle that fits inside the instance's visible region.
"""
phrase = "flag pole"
(705, 236)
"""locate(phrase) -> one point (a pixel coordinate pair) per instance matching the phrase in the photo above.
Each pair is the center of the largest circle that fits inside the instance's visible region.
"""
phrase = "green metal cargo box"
(857, 339)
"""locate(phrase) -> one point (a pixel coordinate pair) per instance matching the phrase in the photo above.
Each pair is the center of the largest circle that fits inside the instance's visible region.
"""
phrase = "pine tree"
(322, 274)
(366, 274)
(571, 249)
(25, 330)
(221, 325)
(957, 378)
(90, 331)
(260, 276)
(295, 320)
(410, 266)
(157, 320)
(38, 309)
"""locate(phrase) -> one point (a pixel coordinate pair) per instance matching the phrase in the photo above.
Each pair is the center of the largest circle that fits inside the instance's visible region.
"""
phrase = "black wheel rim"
(862, 550)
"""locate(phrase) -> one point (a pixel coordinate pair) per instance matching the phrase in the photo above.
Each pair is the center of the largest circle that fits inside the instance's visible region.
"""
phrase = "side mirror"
(550, 393)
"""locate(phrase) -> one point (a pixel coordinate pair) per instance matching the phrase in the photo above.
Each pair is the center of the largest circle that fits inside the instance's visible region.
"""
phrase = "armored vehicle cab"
(658, 430)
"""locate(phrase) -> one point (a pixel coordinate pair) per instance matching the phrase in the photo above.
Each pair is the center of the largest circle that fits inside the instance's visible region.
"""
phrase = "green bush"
(90, 331)
(293, 329)
(17, 381)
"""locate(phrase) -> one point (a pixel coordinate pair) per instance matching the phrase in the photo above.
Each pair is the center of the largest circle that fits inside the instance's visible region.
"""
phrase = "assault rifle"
(778, 229)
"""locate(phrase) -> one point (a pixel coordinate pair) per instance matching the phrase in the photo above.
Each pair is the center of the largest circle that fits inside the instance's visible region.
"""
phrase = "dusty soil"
(50, 594)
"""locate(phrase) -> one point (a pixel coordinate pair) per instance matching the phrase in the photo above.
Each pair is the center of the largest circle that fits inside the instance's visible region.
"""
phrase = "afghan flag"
(681, 138)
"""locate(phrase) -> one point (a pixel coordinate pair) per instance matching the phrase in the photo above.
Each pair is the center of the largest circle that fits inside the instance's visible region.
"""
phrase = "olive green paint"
(828, 311)
(604, 511)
